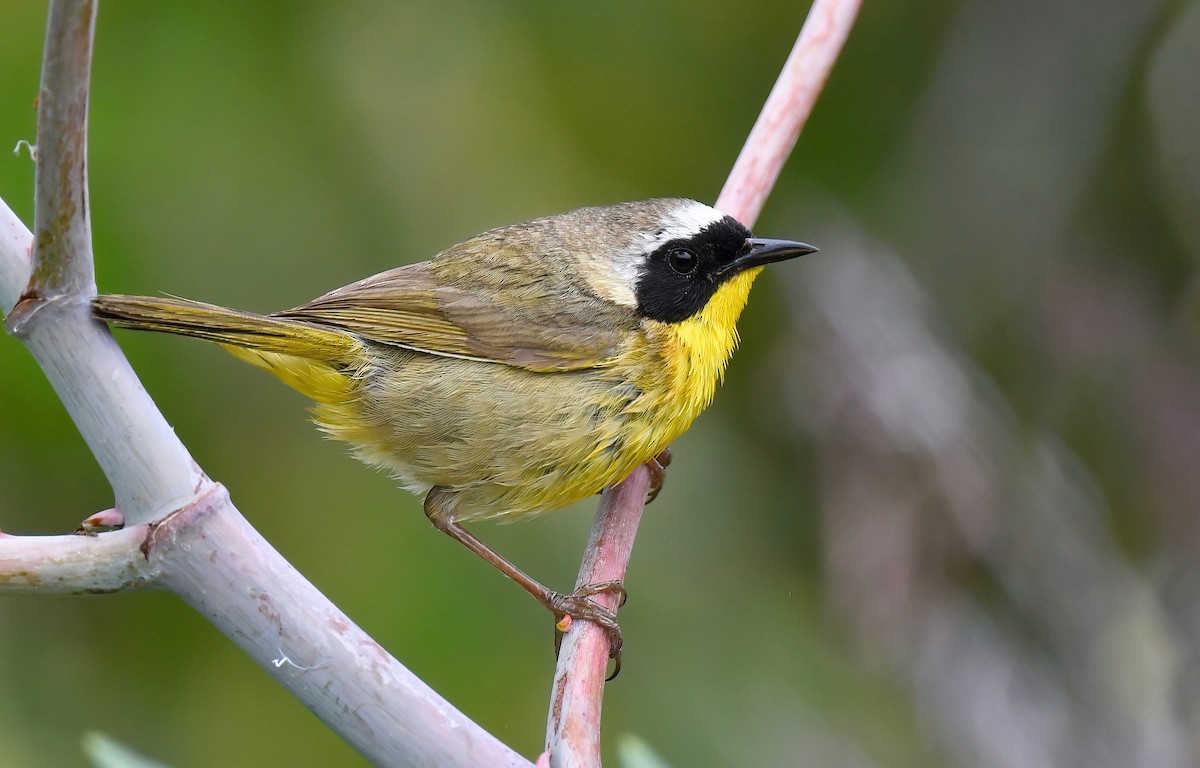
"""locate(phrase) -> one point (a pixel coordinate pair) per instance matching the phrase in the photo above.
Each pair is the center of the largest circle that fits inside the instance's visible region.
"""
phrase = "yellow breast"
(701, 348)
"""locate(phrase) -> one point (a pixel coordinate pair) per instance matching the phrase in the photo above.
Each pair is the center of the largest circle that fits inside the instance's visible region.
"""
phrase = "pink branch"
(787, 109)
(573, 727)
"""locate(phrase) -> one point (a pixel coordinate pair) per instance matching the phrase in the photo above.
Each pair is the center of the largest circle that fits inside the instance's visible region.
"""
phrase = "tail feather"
(318, 362)
(226, 326)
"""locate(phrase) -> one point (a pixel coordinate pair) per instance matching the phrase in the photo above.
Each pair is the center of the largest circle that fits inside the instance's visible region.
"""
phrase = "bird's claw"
(658, 473)
(614, 586)
(579, 606)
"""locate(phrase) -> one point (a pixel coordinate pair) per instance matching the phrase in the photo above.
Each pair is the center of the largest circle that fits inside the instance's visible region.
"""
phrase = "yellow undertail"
(317, 362)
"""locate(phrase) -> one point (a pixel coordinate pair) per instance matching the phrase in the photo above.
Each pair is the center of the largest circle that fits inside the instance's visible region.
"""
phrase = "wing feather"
(539, 325)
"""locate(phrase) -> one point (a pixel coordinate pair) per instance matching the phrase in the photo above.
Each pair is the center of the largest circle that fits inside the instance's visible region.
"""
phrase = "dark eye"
(682, 261)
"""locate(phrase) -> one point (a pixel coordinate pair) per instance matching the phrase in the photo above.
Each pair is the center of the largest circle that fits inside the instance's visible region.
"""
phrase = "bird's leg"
(577, 605)
(658, 473)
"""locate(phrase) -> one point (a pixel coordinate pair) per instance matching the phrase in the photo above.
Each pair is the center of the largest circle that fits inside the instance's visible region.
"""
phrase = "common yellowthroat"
(517, 372)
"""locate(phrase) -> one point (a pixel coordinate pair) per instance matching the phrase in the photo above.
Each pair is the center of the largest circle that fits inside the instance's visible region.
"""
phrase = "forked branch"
(182, 532)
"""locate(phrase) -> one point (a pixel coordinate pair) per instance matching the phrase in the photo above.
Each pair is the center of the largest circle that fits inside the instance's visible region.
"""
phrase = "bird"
(517, 372)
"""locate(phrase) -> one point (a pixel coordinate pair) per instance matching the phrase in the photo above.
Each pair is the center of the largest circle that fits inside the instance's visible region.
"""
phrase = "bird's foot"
(658, 473)
(578, 606)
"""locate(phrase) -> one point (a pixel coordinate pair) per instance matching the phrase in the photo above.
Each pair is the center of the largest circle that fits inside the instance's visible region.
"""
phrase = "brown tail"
(226, 326)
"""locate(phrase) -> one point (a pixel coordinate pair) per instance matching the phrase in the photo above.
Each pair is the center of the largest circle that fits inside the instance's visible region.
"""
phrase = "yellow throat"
(704, 344)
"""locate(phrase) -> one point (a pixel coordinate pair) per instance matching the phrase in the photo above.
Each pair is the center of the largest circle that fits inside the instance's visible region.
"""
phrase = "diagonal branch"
(184, 534)
(573, 727)
(787, 109)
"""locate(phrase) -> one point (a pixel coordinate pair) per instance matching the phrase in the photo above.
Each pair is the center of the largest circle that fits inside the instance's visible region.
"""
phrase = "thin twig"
(573, 725)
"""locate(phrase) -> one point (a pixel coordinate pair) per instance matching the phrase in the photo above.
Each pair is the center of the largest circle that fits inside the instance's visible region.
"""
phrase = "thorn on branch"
(107, 520)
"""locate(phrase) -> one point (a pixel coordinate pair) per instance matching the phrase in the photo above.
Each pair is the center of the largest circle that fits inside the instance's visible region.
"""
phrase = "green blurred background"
(944, 511)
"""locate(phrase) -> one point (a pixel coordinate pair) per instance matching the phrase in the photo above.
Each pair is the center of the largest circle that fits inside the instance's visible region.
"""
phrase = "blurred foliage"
(105, 752)
(945, 504)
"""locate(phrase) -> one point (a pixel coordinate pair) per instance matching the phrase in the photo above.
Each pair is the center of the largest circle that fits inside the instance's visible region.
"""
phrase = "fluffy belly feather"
(506, 442)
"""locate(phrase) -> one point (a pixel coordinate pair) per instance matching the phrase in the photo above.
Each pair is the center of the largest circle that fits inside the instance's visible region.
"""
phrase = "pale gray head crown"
(635, 230)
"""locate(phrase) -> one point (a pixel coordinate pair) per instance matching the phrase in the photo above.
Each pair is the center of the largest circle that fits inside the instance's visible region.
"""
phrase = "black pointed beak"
(760, 250)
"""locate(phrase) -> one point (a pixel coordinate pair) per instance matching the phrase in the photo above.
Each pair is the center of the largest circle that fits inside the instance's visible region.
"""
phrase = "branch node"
(33, 304)
(212, 497)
